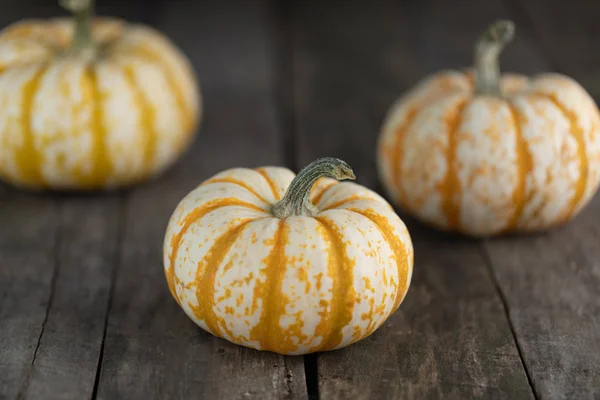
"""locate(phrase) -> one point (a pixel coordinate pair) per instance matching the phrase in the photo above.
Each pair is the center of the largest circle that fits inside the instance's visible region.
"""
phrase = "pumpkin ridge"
(28, 157)
(102, 164)
(342, 303)
(577, 133)
(525, 166)
(348, 199)
(206, 275)
(147, 118)
(451, 187)
(271, 184)
(318, 196)
(268, 331)
(398, 152)
(187, 115)
(326, 312)
(397, 247)
(189, 219)
(238, 183)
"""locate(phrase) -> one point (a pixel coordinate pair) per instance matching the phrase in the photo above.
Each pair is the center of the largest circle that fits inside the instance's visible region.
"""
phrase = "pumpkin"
(484, 154)
(284, 263)
(91, 103)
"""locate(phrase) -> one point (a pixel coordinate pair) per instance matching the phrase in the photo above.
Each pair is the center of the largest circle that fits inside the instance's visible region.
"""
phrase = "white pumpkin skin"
(294, 285)
(70, 122)
(526, 160)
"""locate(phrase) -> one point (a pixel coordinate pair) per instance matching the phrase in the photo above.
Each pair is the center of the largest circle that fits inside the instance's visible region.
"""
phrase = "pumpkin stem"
(83, 12)
(296, 200)
(487, 50)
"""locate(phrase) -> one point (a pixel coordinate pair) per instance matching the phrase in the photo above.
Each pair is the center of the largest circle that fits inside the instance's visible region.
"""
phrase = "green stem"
(83, 12)
(487, 50)
(296, 200)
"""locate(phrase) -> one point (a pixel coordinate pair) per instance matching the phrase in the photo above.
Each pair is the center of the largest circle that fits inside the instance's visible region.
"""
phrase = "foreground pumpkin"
(483, 154)
(87, 104)
(293, 271)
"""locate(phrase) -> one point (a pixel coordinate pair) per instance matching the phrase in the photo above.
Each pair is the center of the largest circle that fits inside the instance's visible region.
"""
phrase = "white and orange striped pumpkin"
(91, 103)
(485, 154)
(264, 268)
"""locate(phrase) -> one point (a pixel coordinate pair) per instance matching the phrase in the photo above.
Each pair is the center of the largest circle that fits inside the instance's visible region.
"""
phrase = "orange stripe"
(147, 119)
(451, 186)
(272, 185)
(269, 331)
(188, 115)
(236, 182)
(398, 153)
(27, 156)
(102, 165)
(206, 275)
(317, 198)
(525, 165)
(344, 294)
(579, 136)
(398, 249)
(340, 203)
(189, 219)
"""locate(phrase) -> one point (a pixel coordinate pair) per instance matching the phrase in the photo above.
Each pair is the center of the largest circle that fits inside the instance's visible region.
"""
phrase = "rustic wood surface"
(85, 311)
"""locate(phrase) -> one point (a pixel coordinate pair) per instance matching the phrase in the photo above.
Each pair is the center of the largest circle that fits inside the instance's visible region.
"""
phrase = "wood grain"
(551, 282)
(57, 253)
(28, 268)
(451, 338)
(152, 349)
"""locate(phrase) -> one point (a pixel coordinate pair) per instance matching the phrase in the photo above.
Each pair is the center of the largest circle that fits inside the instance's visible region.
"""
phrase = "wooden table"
(85, 311)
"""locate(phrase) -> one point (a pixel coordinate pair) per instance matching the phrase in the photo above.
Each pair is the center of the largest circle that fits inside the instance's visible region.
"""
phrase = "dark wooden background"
(85, 311)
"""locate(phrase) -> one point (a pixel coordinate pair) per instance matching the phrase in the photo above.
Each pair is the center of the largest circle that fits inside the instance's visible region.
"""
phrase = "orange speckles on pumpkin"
(398, 250)
(399, 152)
(188, 116)
(318, 279)
(229, 310)
(368, 285)
(578, 134)
(205, 278)
(225, 296)
(147, 117)
(102, 166)
(267, 291)
(451, 185)
(341, 271)
(525, 166)
(185, 223)
(26, 156)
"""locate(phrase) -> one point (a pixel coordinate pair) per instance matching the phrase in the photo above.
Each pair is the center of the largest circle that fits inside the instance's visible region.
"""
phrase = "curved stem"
(83, 12)
(487, 50)
(296, 200)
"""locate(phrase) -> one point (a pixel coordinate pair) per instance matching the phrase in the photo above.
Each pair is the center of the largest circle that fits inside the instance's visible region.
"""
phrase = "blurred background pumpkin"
(482, 154)
(92, 103)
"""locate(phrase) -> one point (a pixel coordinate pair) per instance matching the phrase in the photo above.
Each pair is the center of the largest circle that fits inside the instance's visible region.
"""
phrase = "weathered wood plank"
(77, 274)
(27, 274)
(152, 349)
(67, 357)
(451, 338)
(551, 282)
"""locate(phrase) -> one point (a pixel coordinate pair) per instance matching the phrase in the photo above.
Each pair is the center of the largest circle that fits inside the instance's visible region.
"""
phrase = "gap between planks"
(489, 264)
(56, 260)
(113, 280)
